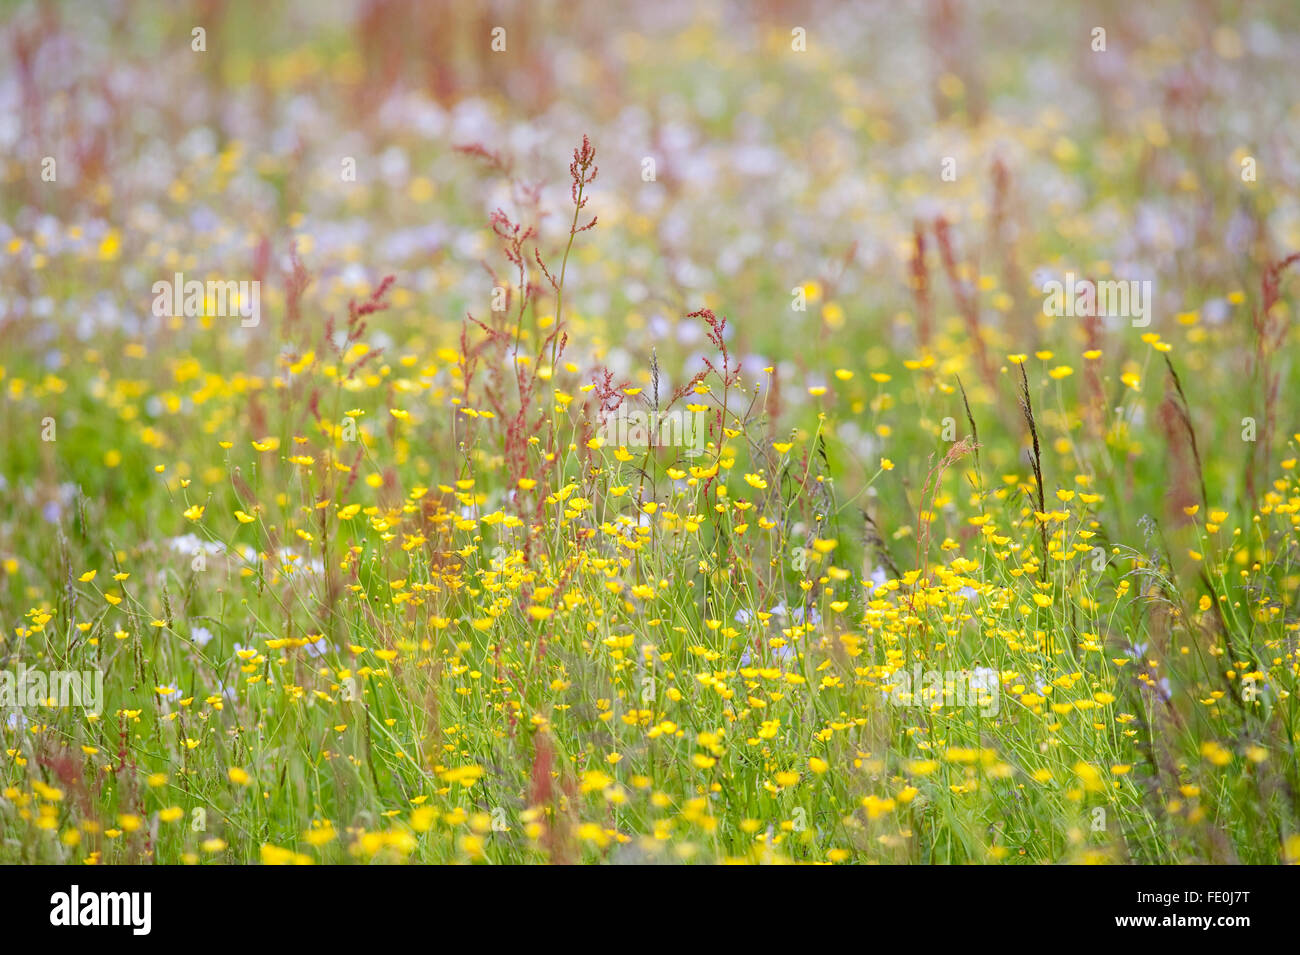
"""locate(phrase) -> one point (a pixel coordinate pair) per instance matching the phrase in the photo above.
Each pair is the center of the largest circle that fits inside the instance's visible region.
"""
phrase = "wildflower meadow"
(688, 432)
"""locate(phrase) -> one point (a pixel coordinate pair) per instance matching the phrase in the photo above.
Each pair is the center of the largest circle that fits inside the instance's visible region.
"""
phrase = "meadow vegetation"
(952, 576)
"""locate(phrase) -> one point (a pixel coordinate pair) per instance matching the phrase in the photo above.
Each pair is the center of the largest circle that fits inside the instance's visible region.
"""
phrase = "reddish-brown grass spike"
(974, 431)
(493, 159)
(1178, 492)
(583, 170)
(1185, 415)
(967, 304)
(920, 285)
(1270, 333)
(1027, 407)
(296, 283)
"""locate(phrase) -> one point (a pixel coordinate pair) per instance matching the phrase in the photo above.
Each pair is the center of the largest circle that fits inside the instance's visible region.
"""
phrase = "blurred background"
(749, 153)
